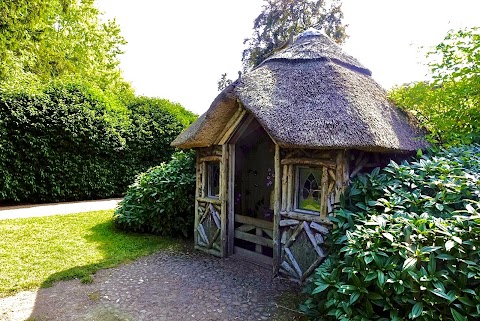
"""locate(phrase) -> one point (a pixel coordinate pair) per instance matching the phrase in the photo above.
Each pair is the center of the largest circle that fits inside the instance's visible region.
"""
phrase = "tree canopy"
(448, 105)
(41, 40)
(281, 19)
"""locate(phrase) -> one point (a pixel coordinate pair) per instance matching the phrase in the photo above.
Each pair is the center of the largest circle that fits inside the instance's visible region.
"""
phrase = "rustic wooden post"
(203, 187)
(231, 199)
(290, 187)
(197, 195)
(276, 211)
(258, 247)
(284, 187)
(324, 195)
(223, 199)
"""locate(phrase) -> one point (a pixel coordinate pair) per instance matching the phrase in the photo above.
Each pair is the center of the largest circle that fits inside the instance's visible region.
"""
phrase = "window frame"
(296, 186)
(209, 184)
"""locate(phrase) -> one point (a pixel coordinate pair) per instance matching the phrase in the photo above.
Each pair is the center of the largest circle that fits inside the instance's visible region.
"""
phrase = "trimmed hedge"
(161, 200)
(406, 244)
(73, 142)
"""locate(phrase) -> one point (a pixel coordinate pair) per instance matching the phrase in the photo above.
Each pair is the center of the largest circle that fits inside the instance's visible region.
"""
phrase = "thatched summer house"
(277, 147)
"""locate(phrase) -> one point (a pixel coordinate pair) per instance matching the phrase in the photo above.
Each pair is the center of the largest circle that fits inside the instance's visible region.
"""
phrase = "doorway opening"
(253, 193)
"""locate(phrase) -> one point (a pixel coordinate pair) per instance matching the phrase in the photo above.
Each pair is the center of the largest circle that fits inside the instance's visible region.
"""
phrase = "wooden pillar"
(284, 187)
(197, 195)
(290, 187)
(223, 199)
(276, 212)
(203, 187)
(231, 199)
(324, 195)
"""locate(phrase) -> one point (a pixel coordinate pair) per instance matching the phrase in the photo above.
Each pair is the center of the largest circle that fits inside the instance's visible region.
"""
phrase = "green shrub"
(406, 244)
(71, 141)
(162, 199)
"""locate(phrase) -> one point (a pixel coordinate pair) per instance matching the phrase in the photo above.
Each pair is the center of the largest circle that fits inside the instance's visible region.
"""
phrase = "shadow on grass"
(208, 283)
(117, 247)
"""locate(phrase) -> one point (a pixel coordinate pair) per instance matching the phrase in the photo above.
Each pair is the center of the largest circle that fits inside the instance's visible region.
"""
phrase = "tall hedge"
(74, 142)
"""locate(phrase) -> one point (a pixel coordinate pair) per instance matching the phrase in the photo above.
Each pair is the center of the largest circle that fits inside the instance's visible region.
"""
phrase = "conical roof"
(311, 95)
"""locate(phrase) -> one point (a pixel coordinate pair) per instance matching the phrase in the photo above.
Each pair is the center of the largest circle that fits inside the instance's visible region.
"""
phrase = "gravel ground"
(164, 286)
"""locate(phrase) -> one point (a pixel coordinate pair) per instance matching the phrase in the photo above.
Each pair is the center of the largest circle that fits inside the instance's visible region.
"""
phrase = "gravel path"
(164, 286)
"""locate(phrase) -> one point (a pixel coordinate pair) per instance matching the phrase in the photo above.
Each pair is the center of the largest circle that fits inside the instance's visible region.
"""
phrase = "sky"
(178, 49)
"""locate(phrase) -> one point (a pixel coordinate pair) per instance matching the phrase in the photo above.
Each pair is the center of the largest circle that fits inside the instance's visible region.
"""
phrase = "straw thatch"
(311, 95)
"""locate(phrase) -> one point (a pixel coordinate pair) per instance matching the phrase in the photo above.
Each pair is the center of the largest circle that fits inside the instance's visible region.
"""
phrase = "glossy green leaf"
(417, 310)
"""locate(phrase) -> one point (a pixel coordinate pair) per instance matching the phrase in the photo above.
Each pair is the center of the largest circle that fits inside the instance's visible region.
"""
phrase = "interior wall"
(254, 173)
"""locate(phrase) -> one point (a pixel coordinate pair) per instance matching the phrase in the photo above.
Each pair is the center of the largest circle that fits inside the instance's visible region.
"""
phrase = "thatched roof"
(311, 95)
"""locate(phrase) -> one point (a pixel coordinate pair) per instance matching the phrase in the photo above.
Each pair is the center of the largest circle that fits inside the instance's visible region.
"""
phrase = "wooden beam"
(253, 221)
(324, 194)
(339, 171)
(346, 168)
(258, 232)
(268, 232)
(231, 198)
(309, 161)
(203, 192)
(312, 239)
(359, 167)
(202, 233)
(290, 187)
(294, 235)
(204, 214)
(223, 199)
(209, 251)
(197, 194)
(253, 238)
(276, 211)
(307, 217)
(242, 128)
(215, 216)
(331, 173)
(319, 238)
(284, 238)
(294, 262)
(288, 222)
(284, 187)
(330, 187)
(289, 270)
(246, 228)
(320, 228)
(231, 128)
(213, 239)
(211, 158)
(209, 200)
(312, 268)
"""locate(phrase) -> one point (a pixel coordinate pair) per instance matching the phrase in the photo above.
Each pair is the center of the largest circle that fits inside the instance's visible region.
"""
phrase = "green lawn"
(36, 252)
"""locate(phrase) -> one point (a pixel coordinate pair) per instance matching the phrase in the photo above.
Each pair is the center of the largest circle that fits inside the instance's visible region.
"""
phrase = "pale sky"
(178, 49)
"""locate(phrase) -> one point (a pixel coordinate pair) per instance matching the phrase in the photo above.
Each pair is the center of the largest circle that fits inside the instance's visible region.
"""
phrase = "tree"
(448, 105)
(42, 40)
(281, 19)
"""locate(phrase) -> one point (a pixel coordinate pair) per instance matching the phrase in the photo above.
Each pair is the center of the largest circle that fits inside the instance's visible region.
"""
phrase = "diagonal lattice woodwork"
(209, 226)
(302, 250)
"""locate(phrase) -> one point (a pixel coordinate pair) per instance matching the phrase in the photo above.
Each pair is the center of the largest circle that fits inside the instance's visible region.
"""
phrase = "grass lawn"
(36, 252)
